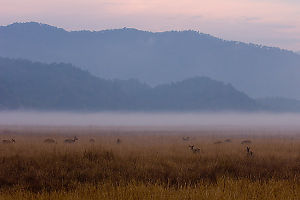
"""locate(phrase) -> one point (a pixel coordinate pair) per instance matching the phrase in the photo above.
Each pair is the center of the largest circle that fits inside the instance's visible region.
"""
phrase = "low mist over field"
(149, 119)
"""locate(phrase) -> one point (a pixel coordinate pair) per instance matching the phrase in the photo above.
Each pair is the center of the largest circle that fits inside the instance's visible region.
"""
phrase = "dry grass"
(148, 164)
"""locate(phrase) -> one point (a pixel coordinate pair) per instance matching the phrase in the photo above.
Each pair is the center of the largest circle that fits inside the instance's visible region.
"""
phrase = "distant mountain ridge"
(26, 85)
(157, 58)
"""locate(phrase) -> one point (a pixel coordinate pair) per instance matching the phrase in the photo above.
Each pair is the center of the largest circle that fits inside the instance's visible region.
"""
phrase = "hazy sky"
(269, 22)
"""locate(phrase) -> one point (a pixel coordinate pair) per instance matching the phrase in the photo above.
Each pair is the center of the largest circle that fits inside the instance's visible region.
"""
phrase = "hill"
(26, 85)
(157, 58)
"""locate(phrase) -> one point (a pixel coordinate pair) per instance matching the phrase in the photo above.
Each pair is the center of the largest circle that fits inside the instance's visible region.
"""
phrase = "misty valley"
(130, 114)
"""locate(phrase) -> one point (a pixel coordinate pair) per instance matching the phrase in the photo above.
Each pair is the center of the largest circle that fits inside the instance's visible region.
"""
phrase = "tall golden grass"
(148, 164)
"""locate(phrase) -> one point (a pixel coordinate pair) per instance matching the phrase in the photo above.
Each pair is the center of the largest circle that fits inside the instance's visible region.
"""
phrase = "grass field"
(149, 164)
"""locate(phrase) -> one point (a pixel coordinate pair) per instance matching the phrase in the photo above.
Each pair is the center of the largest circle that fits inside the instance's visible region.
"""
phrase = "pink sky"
(268, 22)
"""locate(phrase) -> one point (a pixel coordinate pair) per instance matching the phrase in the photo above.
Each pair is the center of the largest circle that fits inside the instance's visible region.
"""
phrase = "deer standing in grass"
(218, 142)
(227, 140)
(49, 141)
(92, 140)
(8, 141)
(194, 149)
(249, 152)
(71, 141)
(246, 142)
(191, 147)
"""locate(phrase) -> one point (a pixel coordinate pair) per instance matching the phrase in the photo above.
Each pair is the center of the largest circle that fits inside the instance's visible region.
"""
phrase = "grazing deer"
(246, 142)
(49, 141)
(71, 141)
(227, 140)
(218, 142)
(185, 138)
(8, 141)
(249, 152)
(92, 140)
(118, 141)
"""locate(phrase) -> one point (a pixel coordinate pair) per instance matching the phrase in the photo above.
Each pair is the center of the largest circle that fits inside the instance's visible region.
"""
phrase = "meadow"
(149, 163)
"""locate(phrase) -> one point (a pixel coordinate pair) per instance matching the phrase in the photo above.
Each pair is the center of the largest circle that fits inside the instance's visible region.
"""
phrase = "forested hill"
(26, 85)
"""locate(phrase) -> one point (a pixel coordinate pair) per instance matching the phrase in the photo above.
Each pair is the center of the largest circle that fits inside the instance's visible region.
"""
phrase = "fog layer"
(148, 119)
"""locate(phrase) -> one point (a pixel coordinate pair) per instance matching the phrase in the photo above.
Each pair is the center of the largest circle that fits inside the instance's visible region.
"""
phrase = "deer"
(246, 142)
(118, 141)
(49, 141)
(191, 147)
(249, 152)
(194, 149)
(8, 141)
(227, 140)
(92, 140)
(71, 141)
(218, 142)
(185, 138)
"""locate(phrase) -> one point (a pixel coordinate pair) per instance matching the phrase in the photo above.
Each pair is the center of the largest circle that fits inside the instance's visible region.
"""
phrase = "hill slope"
(158, 57)
(36, 86)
